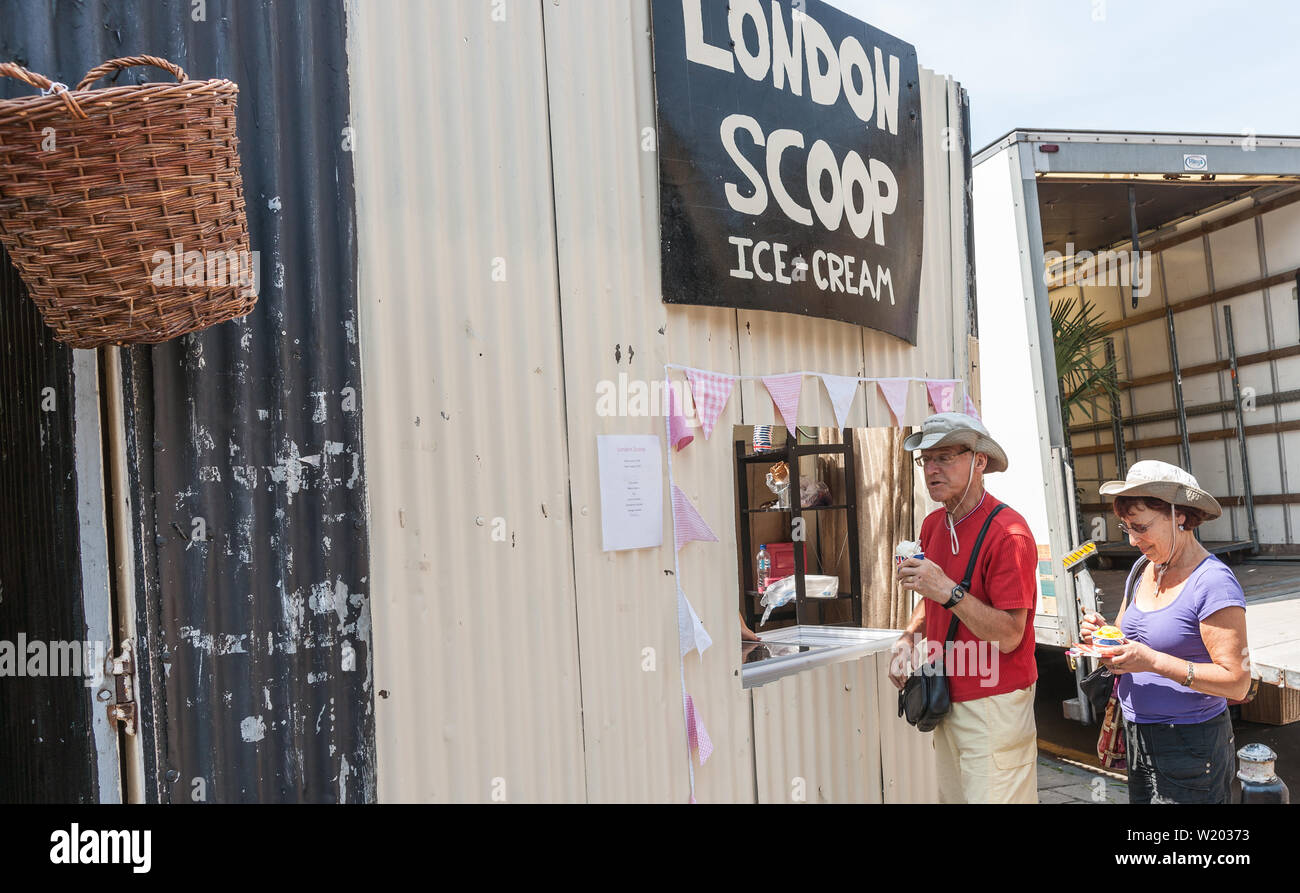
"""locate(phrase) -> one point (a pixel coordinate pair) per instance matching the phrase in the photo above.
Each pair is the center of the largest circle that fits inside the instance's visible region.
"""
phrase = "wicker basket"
(123, 207)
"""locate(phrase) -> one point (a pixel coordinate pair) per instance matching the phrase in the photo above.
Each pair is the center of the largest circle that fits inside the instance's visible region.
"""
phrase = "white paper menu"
(631, 491)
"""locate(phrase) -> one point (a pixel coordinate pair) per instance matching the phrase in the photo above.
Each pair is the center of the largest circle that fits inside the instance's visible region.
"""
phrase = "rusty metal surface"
(244, 441)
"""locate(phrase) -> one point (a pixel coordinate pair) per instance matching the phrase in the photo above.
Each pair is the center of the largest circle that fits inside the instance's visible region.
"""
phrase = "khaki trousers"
(987, 750)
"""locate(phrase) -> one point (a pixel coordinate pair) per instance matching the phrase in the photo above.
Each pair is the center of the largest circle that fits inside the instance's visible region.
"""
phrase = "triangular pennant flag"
(841, 390)
(785, 391)
(691, 633)
(710, 391)
(678, 434)
(700, 741)
(687, 523)
(942, 393)
(894, 390)
(970, 408)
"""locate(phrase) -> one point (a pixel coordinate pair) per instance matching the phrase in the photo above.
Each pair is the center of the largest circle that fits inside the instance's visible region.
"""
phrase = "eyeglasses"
(941, 461)
(1139, 529)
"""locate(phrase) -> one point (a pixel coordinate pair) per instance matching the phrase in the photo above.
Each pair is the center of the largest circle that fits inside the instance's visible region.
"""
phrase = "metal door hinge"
(121, 669)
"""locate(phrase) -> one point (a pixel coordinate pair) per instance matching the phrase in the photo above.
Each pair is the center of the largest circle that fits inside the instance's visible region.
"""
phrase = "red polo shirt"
(1005, 577)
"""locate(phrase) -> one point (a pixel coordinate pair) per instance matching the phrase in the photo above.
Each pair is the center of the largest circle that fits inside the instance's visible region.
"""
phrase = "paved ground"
(1065, 781)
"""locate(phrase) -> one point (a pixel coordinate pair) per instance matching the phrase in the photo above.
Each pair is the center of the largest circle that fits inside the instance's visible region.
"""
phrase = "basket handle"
(113, 65)
(44, 84)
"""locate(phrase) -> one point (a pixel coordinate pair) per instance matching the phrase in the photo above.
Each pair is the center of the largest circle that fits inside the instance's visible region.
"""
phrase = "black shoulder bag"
(924, 699)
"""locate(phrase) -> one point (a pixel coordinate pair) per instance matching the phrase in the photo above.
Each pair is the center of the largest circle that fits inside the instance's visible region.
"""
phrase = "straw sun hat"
(1164, 481)
(957, 428)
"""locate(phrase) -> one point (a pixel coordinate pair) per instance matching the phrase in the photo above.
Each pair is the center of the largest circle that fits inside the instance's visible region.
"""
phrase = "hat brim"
(962, 437)
(1172, 492)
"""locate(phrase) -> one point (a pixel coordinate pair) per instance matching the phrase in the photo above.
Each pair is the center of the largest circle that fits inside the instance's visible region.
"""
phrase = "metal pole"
(1116, 423)
(1178, 391)
(1247, 494)
(1133, 263)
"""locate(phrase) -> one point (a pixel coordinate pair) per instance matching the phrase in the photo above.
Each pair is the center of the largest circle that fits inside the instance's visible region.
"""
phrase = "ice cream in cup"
(906, 550)
(1108, 637)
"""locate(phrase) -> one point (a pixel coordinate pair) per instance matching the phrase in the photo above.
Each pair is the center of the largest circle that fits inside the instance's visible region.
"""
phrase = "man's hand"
(923, 576)
(902, 656)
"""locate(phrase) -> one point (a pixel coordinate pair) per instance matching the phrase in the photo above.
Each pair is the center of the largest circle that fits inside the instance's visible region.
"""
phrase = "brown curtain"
(885, 518)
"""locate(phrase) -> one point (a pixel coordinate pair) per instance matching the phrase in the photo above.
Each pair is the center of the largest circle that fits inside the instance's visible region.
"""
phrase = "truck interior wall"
(1262, 320)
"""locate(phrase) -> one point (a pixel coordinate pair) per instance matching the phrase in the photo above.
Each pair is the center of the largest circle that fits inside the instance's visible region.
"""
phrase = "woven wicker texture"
(123, 207)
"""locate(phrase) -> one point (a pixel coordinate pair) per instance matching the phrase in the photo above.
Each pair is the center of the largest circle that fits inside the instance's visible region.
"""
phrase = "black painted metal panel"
(47, 753)
(244, 441)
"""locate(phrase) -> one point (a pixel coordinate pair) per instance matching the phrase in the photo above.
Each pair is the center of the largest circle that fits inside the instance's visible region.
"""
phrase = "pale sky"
(1199, 66)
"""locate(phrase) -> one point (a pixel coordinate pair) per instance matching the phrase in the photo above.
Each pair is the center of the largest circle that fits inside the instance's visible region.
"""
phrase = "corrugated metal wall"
(252, 429)
(520, 666)
(47, 753)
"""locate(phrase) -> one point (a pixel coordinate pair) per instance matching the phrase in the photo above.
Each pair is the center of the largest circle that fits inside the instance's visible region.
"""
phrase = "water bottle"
(764, 567)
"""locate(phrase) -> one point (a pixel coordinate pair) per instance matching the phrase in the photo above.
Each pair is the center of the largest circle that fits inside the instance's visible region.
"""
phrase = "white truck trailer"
(1189, 248)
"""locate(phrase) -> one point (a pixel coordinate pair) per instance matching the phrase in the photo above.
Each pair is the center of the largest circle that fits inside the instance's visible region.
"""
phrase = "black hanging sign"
(790, 161)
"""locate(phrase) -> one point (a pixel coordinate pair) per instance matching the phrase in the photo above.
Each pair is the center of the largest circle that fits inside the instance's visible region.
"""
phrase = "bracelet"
(1191, 673)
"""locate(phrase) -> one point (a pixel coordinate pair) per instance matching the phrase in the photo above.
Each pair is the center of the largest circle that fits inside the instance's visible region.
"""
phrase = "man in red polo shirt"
(986, 747)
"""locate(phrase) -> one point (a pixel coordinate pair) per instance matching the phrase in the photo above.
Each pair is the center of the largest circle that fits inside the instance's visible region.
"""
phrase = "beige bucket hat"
(949, 428)
(1164, 481)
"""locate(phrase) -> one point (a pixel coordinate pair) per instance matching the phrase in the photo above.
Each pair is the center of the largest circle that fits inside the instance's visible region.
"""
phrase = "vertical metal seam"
(1218, 376)
(1272, 372)
(564, 402)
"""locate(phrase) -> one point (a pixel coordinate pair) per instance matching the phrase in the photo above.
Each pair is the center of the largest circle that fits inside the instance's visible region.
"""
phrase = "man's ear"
(981, 462)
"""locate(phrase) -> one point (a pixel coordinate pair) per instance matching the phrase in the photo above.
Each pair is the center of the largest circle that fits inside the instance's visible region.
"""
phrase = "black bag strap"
(970, 567)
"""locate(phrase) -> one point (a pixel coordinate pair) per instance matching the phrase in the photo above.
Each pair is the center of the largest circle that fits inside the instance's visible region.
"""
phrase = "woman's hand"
(1130, 657)
(1092, 621)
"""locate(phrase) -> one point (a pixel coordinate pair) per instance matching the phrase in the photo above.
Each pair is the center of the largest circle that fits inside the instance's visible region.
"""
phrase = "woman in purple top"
(1184, 653)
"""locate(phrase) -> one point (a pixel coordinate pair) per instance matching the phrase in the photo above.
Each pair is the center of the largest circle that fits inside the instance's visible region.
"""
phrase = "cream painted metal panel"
(540, 678)
(475, 652)
(601, 99)
(907, 759)
(816, 738)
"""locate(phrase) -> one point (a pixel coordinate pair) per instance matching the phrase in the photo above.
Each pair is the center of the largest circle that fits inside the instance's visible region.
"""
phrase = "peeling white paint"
(319, 414)
(263, 414)
(266, 696)
(197, 638)
(245, 475)
(232, 644)
(210, 474)
(350, 328)
(252, 728)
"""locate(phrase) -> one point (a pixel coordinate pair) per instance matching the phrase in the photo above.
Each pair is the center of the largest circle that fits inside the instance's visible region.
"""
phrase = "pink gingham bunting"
(687, 523)
(678, 435)
(711, 392)
(700, 742)
(970, 408)
(942, 393)
(785, 391)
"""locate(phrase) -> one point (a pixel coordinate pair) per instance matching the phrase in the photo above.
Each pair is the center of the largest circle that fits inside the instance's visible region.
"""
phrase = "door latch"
(121, 670)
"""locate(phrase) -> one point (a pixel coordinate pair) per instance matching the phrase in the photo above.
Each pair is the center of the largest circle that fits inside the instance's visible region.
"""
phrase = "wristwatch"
(957, 595)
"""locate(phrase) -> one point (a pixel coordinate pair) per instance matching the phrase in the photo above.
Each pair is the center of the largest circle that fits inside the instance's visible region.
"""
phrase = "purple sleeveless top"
(1175, 629)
